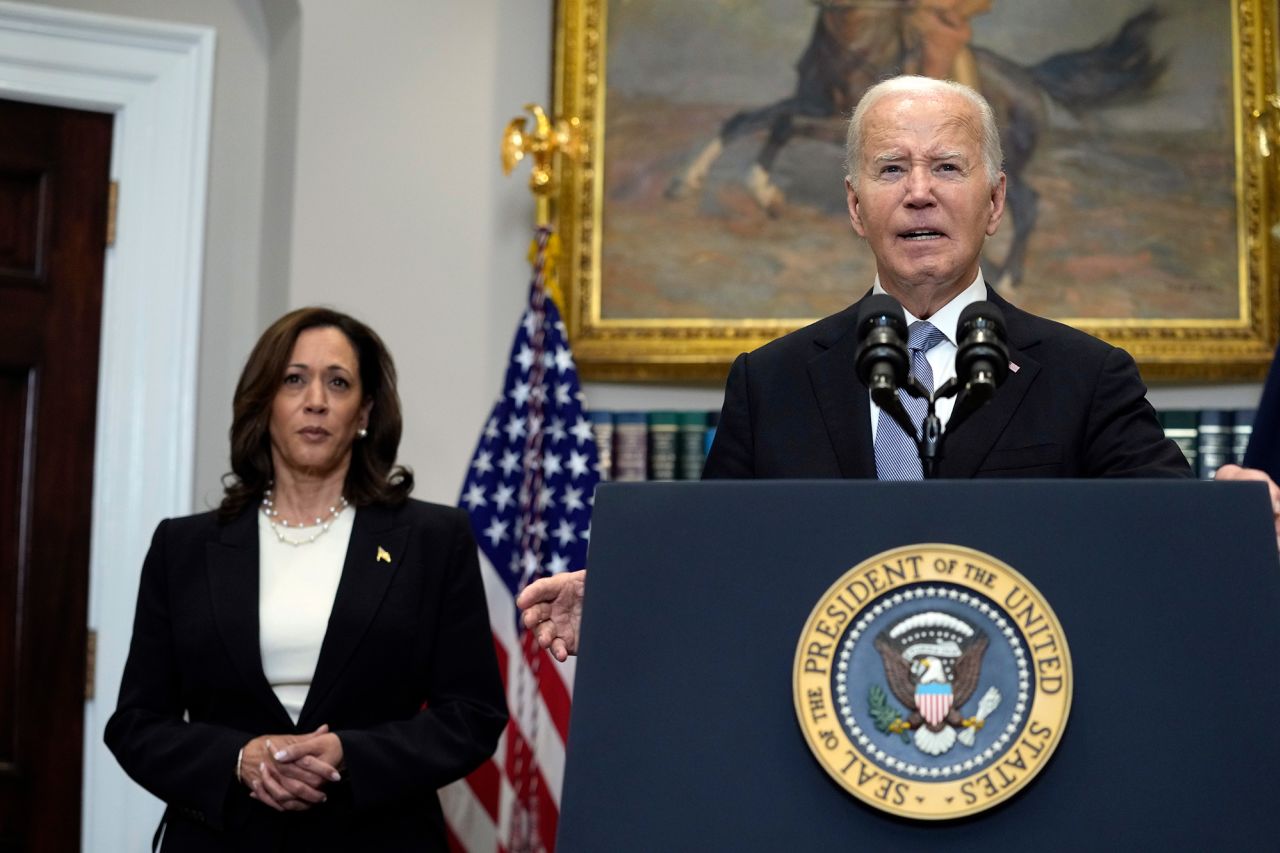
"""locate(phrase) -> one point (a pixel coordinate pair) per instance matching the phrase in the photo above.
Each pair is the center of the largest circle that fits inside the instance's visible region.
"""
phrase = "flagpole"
(528, 493)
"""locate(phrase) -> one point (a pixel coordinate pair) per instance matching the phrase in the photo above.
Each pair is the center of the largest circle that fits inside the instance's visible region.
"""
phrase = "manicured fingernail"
(282, 755)
(324, 799)
(335, 776)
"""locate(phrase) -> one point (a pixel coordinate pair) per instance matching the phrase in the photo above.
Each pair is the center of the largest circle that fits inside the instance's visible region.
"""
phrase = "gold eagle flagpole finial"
(542, 142)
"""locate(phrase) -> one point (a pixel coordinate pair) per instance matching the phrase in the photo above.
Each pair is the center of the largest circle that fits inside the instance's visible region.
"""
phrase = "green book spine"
(663, 433)
(693, 444)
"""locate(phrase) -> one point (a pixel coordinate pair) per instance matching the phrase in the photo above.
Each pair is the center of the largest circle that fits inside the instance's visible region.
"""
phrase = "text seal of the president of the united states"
(932, 681)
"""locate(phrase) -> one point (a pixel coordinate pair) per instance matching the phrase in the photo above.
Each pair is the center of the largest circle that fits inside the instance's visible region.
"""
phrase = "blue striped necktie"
(897, 456)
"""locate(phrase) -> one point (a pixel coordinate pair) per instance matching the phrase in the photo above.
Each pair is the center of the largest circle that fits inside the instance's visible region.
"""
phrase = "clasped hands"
(289, 772)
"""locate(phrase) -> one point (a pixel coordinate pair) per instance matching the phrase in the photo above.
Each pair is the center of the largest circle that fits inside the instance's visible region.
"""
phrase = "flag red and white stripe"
(529, 491)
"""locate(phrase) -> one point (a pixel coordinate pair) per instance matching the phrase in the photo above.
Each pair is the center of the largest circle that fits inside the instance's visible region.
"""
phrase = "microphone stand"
(929, 442)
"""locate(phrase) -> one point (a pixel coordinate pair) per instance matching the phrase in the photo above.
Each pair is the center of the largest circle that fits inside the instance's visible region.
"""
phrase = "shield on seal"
(933, 701)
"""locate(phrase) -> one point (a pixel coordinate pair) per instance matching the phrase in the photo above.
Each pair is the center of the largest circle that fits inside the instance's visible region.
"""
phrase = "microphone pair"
(883, 361)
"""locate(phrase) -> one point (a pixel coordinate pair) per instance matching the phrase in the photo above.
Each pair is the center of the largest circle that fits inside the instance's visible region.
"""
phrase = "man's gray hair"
(992, 155)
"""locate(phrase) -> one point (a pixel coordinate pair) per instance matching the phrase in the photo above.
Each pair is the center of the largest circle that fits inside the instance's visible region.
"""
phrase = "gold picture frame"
(1233, 341)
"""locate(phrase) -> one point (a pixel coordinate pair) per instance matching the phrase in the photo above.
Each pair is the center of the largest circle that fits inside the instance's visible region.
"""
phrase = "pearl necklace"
(278, 527)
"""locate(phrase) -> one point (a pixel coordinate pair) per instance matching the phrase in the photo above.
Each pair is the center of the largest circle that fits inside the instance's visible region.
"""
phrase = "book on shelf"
(1241, 432)
(1180, 427)
(1213, 441)
(693, 444)
(1209, 438)
(602, 429)
(630, 446)
(657, 445)
(664, 443)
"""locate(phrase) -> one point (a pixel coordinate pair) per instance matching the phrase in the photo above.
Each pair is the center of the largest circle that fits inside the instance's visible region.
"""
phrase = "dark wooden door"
(53, 214)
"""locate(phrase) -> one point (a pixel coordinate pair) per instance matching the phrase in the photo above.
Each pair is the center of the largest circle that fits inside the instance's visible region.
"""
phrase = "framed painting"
(708, 216)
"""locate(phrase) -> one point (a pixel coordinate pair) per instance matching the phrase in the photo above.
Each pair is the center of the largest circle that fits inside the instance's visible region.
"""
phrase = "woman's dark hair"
(373, 477)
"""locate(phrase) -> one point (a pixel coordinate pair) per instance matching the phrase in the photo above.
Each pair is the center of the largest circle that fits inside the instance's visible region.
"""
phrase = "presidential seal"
(932, 681)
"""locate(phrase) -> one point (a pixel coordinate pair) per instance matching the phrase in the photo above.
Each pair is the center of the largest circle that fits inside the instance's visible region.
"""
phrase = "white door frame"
(157, 80)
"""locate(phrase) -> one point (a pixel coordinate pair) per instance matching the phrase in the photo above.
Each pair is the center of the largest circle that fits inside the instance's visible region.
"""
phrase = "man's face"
(921, 196)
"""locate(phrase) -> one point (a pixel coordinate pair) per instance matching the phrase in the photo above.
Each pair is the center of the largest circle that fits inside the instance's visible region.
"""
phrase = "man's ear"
(851, 197)
(997, 205)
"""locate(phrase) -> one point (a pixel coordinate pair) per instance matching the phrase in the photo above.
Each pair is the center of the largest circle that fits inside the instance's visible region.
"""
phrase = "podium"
(684, 733)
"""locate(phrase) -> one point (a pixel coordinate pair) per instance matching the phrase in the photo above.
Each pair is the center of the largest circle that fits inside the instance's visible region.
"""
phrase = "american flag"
(529, 492)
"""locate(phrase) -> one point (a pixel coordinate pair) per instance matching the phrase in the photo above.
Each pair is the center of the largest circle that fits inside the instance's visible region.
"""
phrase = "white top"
(296, 589)
(942, 358)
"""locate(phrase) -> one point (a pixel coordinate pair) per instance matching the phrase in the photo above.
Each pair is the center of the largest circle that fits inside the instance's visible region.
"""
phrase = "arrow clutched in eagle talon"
(990, 701)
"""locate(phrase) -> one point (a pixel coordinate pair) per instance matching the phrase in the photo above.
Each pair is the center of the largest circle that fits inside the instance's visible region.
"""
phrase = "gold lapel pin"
(383, 556)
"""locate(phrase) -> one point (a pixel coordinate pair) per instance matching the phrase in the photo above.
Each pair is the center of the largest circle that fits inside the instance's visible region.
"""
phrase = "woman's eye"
(293, 379)
(341, 382)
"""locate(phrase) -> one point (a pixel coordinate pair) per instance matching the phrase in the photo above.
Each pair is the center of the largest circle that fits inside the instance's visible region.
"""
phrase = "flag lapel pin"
(383, 556)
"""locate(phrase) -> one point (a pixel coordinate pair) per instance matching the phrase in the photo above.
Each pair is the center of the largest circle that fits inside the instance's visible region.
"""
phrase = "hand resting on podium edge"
(1235, 472)
(552, 609)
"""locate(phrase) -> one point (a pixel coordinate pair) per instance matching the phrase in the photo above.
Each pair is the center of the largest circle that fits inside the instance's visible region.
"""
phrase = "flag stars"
(546, 497)
(519, 394)
(510, 462)
(564, 359)
(474, 497)
(496, 531)
(551, 465)
(578, 464)
(515, 428)
(563, 397)
(491, 429)
(565, 533)
(555, 431)
(483, 463)
(558, 564)
(503, 497)
(572, 499)
(582, 430)
(531, 322)
(524, 358)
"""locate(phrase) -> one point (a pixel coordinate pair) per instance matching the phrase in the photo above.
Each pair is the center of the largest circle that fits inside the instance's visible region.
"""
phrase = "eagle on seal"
(932, 661)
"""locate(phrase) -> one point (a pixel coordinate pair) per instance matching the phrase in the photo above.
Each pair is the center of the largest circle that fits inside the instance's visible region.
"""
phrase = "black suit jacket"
(1076, 407)
(407, 677)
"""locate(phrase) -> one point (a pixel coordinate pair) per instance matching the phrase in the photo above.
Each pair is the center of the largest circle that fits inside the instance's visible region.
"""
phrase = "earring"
(362, 433)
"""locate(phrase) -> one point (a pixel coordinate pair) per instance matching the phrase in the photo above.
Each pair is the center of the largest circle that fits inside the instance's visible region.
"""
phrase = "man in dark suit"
(925, 190)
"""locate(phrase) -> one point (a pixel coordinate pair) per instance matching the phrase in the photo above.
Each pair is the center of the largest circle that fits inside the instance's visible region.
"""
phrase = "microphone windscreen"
(880, 309)
(980, 310)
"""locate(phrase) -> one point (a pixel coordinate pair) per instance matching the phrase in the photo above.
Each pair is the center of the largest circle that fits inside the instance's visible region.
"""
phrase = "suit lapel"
(373, 558)
(232, 567)
(843, 400)
(968, 446)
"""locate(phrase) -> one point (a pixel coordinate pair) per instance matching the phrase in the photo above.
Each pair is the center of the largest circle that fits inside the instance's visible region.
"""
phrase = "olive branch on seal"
(882, 714)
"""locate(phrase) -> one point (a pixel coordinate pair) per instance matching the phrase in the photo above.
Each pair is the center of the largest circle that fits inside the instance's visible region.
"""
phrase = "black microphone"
(882, 360)
(982, 356)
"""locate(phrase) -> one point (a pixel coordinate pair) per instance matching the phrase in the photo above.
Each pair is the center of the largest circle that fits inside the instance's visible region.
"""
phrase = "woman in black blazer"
(313, 660)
